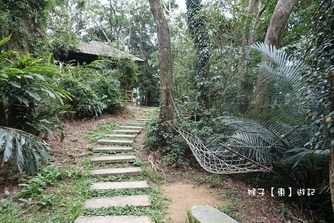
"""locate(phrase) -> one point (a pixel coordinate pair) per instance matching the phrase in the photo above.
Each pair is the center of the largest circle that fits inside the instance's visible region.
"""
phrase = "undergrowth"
(103, 129)
(57, 194)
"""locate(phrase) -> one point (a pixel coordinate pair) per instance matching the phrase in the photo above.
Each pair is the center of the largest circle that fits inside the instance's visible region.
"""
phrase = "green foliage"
(94, 87)
(4, 203)
(228, 209)
(33, 192)
(86, 103)
(24, 149)
(35, 186)
(199, 34)
(284, 138)
(26, 21)
(152, 135)
(24, 89)
(127, 73)
(24, 86)
(283, 211)
(103, 129)
(189, 219)
(159, 136)
(320, 79)
(108, 92)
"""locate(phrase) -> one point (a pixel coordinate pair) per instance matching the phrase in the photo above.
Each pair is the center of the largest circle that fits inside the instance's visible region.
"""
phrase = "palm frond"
(288, 73)
(262, 141)
(26, 150)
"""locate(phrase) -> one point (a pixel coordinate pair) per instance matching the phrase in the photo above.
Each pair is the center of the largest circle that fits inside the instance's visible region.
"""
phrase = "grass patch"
(55, 191)
(99, 133)
(118, 178)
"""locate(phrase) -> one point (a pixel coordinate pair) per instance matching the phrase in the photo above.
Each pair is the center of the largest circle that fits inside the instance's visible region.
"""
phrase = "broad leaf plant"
(26, 96)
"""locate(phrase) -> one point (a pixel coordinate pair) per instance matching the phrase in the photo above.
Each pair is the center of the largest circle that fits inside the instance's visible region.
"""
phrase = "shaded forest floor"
(184, 187)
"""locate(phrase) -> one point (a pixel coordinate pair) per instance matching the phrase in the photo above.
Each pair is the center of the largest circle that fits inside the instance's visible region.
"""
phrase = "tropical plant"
(283, 137)
(285, 130)
(23, 88)
(24, 149)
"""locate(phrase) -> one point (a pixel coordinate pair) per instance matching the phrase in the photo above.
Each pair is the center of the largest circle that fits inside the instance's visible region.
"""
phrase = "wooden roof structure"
(93, 50)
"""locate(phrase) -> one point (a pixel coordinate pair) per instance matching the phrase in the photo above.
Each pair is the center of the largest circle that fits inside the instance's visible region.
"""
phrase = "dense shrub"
(160, 136)
(86, 103)
(95, 88)
(108, 92)
(127, 74)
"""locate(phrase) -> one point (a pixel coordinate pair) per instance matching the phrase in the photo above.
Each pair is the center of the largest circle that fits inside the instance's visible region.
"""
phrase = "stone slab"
(140, 185)
(143, 119)
(118, 201)
(208, 214)
(130, 127)
(126, 131)
(121, 136)
(117, 171)
(113, 219)
(114, 142)
(113, 159)
(138, 123)
(112, 149)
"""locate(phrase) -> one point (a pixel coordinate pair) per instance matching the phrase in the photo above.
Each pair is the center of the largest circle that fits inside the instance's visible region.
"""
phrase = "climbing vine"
(198, 31)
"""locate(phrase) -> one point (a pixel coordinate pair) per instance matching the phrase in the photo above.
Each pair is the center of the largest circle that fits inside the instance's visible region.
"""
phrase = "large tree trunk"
(261, 98)
(165, 62)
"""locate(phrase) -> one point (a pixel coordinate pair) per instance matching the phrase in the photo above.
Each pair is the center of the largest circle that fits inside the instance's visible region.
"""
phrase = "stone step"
(130, 127)
(126, 131)
(113, 159)
(121, 136)
(141, 124)
(208, 214)
(117, 171)
(112, 149)
(113, 219)
(114, 142)
(143, 119)
(118, 201)
(140, 185)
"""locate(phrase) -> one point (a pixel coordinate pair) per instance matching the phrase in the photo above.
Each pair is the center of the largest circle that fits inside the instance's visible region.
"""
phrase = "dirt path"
(185, 196)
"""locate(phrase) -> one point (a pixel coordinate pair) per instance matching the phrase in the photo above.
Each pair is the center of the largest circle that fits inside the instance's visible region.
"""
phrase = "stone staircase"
(118, 141)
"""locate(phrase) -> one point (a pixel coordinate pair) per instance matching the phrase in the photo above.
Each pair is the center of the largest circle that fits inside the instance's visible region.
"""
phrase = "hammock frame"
(224, 160)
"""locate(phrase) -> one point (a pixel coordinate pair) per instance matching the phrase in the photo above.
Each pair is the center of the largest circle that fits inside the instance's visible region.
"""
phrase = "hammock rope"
(224, 160)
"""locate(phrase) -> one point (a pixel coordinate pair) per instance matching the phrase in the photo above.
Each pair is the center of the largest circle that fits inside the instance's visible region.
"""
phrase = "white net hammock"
(223, 160)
